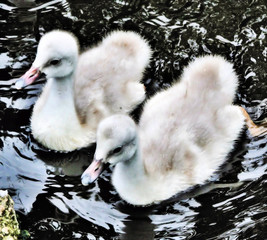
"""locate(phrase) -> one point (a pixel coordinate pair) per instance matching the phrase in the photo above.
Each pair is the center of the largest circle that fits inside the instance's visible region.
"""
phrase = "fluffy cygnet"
(184, 135)
(82, 90)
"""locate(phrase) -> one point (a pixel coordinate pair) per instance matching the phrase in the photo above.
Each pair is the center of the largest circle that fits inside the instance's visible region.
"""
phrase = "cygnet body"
(183, 137)
(82, 90)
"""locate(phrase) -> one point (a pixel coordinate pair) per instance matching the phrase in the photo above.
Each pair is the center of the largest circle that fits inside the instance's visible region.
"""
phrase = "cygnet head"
(116, 142)
(57, 56)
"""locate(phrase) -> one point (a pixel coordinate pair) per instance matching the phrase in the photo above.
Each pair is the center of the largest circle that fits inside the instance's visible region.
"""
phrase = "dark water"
(46, 188)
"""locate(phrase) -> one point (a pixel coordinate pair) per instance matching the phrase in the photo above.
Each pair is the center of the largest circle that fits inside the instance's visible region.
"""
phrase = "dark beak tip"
(86, 179)
(20, 83)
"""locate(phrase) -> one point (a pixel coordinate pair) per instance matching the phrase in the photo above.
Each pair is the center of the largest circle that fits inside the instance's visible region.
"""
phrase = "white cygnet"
(183, 137)
(82, 90)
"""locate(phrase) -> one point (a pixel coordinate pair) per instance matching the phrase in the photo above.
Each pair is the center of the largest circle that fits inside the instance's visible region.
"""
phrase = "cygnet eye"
(54, 62)
(117, 150)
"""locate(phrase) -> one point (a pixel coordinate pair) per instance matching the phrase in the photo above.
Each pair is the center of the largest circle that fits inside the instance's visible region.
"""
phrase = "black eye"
(54, 62)
(116, 150)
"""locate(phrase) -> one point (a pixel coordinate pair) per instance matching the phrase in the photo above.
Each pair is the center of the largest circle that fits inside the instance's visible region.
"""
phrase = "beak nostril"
(96, 169)
(33, 73)
(28, 78)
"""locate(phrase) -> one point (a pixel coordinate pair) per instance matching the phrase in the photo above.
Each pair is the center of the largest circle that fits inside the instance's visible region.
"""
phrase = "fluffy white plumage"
(184, 135)
(82, 90)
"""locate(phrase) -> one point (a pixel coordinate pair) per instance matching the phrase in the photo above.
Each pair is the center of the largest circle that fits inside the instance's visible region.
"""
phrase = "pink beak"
(92, 172)
(28, 78)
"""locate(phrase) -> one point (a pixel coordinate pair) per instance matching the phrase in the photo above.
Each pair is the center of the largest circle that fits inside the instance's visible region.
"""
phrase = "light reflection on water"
(46, 186)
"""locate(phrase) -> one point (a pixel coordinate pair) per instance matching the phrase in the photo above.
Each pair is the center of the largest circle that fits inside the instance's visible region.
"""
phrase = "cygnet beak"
(92, 172)
(28, 78)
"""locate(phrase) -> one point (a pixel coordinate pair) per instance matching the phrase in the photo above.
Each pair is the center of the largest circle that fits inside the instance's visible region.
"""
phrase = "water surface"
(46, 187)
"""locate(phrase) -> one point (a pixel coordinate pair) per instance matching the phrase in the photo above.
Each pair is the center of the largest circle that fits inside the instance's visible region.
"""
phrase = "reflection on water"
(46, 186)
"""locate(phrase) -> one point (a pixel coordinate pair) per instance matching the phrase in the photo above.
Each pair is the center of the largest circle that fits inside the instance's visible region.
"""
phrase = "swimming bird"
(83, 89)
(184, 135)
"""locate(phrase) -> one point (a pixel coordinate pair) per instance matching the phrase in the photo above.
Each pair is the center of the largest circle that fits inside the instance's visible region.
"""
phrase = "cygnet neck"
(127, 174)
(60, 92)
(54, 120)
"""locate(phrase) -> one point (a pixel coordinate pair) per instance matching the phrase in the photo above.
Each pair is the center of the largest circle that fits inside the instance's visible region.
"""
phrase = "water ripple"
(46, 186)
